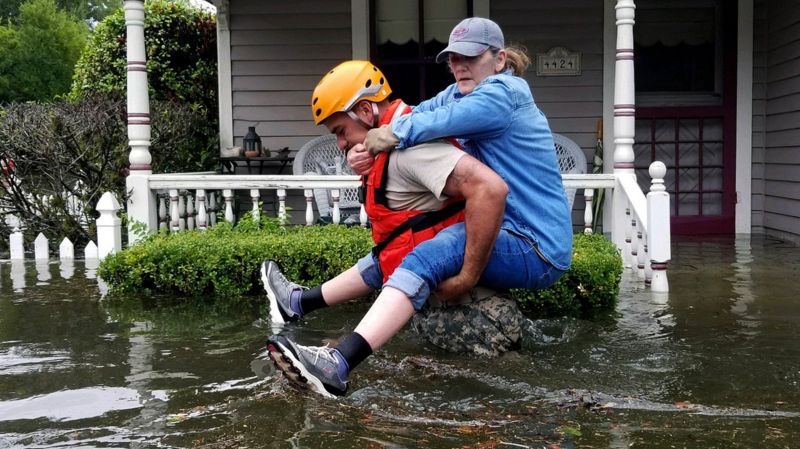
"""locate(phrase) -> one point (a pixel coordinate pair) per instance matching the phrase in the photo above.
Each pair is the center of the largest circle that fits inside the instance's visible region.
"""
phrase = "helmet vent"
(318, 112)
(368, 83)
(315, 101)
(381, 81)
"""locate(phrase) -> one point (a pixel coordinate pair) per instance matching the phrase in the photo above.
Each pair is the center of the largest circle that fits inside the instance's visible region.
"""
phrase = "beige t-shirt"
(418, 174)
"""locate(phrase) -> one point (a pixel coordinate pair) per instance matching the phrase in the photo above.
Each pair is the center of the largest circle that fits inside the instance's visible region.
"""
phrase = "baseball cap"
(471, 37)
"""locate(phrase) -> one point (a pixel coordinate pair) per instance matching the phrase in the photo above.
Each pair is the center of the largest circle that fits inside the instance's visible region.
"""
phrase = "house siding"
(779, 117)
(279, 50)
(759, 113)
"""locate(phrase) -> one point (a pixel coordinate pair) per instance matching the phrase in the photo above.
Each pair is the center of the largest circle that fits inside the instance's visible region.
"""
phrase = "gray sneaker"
(309, 367)
(279, 290)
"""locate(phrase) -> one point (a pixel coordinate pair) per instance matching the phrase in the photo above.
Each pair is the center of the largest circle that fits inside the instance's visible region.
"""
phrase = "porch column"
(624, 115)
(142, 202)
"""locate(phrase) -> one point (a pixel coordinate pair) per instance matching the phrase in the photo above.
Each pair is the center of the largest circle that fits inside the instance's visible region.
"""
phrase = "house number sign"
(558, 61)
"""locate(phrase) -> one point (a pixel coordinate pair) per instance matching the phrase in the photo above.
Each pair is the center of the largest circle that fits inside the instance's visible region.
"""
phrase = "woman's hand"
(360, 160)
(381, 139)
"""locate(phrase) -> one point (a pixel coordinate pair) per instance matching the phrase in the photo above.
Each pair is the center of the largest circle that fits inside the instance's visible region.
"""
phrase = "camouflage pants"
(487, 327)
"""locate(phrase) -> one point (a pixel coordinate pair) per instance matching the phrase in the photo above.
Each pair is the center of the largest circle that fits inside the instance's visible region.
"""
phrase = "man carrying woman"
(490, 110)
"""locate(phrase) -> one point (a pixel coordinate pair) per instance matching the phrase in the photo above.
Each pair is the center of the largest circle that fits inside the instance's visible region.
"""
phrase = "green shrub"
(224, 261)
(591, 284)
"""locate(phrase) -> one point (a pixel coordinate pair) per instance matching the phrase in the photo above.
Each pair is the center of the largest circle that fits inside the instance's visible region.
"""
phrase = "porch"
(639, 225)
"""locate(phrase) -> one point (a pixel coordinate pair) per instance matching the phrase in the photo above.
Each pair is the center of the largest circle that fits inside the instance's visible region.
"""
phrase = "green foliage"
(224, 260)
(38, 51)
(180, 43)
(591, 284)
(82, 9)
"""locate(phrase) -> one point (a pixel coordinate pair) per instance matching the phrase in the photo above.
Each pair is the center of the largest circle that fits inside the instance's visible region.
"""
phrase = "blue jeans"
(514, 263)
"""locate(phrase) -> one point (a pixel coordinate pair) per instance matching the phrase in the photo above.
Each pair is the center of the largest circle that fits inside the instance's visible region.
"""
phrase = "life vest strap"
(420, 222)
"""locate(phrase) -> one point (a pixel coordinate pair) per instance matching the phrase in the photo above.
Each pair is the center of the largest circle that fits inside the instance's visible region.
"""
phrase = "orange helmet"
(345, 85)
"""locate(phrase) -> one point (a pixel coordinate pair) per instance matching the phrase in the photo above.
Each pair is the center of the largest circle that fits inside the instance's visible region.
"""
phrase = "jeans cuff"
(411, 285)
(370, 271)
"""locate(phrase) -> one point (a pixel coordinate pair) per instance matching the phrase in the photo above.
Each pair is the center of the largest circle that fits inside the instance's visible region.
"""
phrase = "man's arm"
(485, 194)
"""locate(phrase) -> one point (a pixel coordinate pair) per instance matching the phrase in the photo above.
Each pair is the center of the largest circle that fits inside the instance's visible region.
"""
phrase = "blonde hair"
(517, 59)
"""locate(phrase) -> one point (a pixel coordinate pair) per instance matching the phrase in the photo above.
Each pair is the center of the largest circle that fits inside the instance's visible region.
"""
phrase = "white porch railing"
(189, 201)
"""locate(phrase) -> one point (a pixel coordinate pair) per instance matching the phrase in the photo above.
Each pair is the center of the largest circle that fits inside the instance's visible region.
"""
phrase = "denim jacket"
(499, 124)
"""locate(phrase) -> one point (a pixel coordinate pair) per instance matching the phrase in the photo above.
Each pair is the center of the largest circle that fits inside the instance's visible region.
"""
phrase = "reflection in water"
(743, 282)
(43, 271)
(70, 405)
(67, 268)
(91, 268)
(683, 369)
(152, 416)
(18, 275)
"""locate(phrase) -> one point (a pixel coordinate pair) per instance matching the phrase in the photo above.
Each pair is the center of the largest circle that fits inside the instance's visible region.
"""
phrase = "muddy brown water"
(713, 364)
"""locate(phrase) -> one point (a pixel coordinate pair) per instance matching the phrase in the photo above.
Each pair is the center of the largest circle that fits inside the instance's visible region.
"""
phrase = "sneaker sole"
(274, 312)
(285, 360)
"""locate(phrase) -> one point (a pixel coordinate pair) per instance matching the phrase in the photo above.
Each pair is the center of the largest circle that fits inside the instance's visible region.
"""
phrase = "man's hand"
(454, 287)
(381, 139)
(360, 160)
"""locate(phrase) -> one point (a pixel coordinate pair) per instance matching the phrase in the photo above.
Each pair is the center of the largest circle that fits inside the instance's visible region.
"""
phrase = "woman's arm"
(484, 113)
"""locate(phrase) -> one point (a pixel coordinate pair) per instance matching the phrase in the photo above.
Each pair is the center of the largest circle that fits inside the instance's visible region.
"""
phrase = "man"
(410, 198)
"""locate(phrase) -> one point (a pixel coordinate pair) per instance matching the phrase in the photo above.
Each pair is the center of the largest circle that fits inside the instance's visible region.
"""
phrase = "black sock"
(354, 349)
(311, 300)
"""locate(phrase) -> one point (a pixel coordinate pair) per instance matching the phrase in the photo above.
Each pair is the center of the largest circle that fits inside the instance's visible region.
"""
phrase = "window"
(407, 36)
(678, 52)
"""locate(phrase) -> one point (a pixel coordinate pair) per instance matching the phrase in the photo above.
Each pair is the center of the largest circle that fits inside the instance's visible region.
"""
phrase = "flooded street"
(713, 364)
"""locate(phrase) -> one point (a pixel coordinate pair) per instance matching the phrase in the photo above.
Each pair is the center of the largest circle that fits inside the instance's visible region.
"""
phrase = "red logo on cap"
(458, 33)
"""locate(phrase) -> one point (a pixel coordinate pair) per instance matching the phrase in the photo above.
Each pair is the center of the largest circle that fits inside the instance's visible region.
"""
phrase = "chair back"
(571, 160)
(321, 155)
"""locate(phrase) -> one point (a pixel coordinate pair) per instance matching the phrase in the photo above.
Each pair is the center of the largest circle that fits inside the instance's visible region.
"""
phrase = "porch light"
(252, 142)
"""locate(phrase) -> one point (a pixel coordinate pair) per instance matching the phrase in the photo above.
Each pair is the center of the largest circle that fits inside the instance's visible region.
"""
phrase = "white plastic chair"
(321, 156)
(571, 160)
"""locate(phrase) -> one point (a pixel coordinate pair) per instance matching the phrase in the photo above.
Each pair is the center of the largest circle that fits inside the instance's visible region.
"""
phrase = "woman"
(490, 108)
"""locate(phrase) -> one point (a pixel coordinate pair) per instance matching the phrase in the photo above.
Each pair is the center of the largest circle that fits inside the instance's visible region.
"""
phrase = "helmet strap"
(375, 117)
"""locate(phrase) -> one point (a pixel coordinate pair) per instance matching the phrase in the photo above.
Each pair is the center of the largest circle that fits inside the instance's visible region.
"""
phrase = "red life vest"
(397, 232)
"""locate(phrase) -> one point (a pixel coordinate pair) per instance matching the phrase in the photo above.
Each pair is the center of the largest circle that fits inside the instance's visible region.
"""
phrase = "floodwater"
(713, 364)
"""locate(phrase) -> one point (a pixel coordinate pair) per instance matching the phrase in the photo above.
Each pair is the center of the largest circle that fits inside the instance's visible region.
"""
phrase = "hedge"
(224, 262)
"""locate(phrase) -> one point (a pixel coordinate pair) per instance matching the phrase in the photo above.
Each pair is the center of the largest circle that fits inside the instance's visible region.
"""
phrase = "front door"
(686, 108)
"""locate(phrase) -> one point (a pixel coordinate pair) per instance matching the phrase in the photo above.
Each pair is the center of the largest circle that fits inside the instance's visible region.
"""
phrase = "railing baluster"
(181, 212)
(648, 270)
(162, 212)
(309, 194)
(255, 196)
(227, 194)
(282, 206)
(190, 220)
(626, 251)
(634, 244)
(212, 207)
(641, 259)
(588, 194)
(174, 224)
(202, 218)
(362, 216)
(336, 213)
